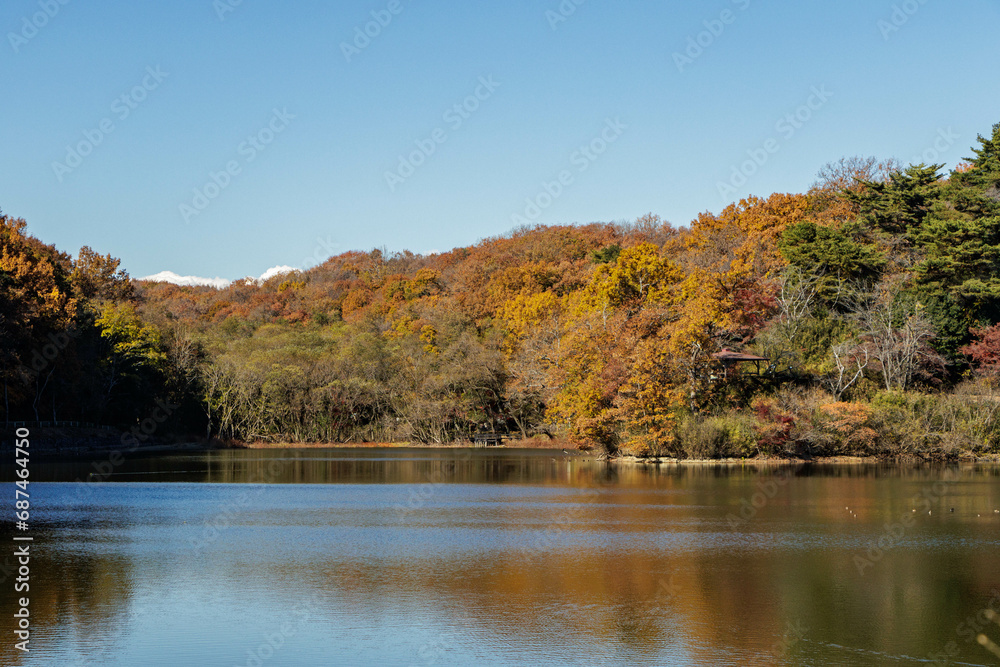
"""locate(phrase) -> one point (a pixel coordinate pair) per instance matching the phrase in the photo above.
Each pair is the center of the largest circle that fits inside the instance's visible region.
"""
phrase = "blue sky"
(300, 135)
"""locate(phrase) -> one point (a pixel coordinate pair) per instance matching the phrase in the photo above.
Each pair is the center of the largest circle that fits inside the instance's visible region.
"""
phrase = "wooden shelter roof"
(729, 355)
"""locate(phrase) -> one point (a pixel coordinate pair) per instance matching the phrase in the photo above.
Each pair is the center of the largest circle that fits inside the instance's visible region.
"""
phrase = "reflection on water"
(434, 557)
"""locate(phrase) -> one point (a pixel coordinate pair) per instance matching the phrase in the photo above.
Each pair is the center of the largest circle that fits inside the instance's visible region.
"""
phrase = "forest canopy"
(873, 299)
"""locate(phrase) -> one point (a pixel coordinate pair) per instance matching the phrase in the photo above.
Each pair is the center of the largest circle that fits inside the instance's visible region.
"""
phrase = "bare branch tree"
(850, 360)
(795, 299)
(847, 172)
(897, 334)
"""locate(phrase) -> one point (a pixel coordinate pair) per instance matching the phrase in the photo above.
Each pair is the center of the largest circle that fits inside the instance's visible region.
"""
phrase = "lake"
(504, 557)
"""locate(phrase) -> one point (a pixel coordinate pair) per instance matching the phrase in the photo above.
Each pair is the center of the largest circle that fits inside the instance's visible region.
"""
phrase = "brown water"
(445, 557)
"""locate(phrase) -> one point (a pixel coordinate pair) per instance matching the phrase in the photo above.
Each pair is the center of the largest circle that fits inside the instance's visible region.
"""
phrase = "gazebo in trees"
(730, 359)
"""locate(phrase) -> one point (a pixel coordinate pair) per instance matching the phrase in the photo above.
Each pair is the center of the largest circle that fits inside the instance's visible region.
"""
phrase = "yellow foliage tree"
(742, 241)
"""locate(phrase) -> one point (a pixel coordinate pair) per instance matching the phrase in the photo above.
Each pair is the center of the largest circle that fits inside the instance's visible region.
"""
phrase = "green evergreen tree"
(901, 203)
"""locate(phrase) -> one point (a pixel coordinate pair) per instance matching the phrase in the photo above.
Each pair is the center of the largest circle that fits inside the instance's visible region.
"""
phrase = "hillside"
(874, 298)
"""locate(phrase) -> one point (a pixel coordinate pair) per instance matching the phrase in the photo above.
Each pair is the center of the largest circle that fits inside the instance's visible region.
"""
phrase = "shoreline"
(627, 459)
(620, 460)
(819, 460)
(68, 445)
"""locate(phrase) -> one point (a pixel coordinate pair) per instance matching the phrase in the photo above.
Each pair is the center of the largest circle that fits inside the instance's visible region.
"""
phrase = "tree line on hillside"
(874, 296)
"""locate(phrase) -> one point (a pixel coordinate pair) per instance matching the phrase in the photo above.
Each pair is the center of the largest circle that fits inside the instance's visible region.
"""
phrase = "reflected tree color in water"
(434, 557)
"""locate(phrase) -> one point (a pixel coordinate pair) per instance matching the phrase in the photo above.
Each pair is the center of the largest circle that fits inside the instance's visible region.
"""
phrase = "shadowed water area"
(504, 557)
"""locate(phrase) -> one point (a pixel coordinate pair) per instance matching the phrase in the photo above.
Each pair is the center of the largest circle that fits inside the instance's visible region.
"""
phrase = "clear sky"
(117, 114)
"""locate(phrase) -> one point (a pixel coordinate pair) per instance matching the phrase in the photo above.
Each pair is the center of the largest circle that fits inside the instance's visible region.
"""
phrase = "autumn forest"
(873, 300)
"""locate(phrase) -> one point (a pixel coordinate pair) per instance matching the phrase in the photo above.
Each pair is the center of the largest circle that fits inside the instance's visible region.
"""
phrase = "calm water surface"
(451, 557)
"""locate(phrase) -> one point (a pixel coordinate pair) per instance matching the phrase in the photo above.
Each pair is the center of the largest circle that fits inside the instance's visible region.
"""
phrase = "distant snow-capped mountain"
(218, 283)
